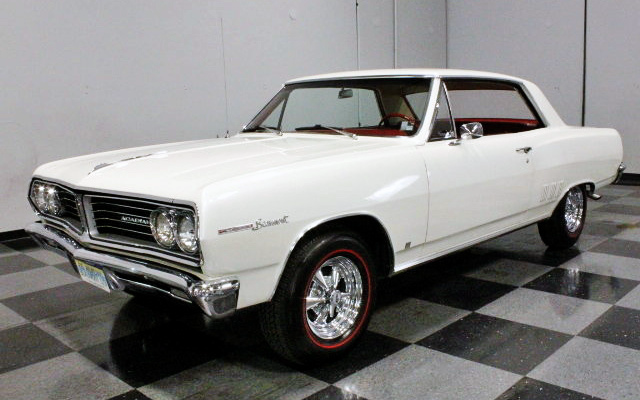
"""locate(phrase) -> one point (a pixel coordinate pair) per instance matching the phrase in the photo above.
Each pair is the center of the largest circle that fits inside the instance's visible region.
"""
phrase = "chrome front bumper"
(217, 298)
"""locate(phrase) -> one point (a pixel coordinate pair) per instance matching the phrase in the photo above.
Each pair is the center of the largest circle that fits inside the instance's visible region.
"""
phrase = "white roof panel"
(426, 72)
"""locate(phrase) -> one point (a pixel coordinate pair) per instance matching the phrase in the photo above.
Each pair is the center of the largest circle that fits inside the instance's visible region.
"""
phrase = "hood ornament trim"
(103, 165)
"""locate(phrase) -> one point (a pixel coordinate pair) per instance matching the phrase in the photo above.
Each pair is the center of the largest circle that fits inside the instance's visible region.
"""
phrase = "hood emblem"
(102, 165)
(97, 167)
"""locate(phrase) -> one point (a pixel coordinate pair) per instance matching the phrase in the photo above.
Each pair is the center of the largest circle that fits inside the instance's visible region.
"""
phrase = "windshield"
(369, 107)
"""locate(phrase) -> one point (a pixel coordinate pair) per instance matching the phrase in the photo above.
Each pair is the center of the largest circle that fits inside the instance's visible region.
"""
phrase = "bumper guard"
(621, 169)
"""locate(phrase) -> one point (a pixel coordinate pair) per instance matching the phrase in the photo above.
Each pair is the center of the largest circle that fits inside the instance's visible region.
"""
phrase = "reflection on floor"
(507, 319)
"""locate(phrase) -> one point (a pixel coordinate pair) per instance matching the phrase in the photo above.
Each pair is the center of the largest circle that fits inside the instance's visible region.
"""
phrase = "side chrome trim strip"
(234, 229)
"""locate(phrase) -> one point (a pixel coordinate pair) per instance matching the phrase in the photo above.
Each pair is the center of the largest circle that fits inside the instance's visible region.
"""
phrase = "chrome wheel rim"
(333, 300)
(574, 209)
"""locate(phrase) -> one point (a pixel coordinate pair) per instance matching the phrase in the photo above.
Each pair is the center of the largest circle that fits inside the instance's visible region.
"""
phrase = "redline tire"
(312, 319)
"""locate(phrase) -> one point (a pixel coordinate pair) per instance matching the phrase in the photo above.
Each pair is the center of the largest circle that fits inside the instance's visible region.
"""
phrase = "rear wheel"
(563, 229)
(324, 299)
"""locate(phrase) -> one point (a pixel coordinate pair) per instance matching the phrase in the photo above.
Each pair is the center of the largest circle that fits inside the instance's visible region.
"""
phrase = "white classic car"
(340, 180)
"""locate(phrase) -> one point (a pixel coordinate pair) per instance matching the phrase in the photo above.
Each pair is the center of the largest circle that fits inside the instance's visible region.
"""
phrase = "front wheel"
(324, 299)
(565, 225)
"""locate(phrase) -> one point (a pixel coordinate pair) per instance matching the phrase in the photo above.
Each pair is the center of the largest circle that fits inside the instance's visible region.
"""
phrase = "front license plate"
(93, 275)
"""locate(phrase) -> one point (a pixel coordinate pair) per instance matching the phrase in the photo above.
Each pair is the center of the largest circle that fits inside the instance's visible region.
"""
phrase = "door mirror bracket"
(471, 130)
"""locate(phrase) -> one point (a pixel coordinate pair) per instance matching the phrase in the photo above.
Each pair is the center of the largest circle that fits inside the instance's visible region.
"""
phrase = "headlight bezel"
(44, 197)
(168, 216)
(182, 218)
(173, 218)
(54, 205)
(37, 194)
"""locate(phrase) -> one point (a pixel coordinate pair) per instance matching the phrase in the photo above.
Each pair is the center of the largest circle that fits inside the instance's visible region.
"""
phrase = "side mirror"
(472, 130)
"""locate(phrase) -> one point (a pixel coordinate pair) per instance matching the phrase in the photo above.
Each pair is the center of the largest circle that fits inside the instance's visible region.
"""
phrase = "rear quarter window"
(500, 107)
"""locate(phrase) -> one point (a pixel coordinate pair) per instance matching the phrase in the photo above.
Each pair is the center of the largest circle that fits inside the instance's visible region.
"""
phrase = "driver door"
(477, 187)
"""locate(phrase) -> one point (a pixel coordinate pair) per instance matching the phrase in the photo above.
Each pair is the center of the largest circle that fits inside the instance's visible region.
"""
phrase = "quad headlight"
(186, 233)
(172, 228)
(163, 227)
(45, 198)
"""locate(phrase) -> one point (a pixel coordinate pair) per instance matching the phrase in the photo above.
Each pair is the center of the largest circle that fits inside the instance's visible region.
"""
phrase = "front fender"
(250, 224)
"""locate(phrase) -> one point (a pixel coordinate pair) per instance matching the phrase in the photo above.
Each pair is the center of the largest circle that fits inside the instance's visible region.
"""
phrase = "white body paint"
(430, 198)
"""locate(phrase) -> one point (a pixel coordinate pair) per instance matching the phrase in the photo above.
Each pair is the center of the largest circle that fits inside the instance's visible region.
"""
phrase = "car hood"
(182, 170)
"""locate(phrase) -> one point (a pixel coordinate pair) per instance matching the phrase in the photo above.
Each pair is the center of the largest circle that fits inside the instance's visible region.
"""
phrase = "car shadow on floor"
(171, 336)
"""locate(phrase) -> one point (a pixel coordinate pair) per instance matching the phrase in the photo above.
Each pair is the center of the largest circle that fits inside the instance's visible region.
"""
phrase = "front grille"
(126, 221)
(71, 214)
(123, 218)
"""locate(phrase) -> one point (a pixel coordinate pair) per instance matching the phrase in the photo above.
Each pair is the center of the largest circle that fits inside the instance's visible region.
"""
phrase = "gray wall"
(544, 41)
(80, 76)
(376, 34)
(613, 72)
(421, 33)
(539, 40)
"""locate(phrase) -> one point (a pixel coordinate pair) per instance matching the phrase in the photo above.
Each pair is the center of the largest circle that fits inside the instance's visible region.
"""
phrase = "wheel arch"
(368, 227)
(589, 187)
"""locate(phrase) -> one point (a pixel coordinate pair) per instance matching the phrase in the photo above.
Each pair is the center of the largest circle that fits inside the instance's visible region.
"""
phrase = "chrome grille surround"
(89, 236)
(125, 220)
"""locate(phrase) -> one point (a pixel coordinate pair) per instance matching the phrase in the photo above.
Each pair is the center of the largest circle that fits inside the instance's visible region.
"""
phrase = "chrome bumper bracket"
(621, 169)
(593, 196)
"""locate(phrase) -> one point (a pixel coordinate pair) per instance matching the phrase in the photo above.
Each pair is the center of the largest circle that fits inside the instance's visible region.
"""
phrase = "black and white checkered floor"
(505, 320)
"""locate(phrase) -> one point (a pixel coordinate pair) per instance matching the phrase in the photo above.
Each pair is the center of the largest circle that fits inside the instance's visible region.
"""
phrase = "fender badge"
(259, 224)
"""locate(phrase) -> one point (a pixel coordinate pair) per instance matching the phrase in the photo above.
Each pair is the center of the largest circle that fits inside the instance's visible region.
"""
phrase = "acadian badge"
(134, 220)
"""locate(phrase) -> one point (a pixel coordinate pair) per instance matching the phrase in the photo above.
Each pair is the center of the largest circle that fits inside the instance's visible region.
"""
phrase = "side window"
(443, 127)
(500, 107)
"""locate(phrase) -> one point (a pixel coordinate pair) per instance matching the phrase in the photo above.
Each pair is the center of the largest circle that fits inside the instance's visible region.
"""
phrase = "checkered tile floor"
(505, 320)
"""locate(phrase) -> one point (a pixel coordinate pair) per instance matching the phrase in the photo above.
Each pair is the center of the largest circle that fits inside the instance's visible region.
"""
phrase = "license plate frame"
(92, 274)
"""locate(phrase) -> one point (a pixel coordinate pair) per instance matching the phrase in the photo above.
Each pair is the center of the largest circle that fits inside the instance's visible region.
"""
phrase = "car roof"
(417, 72)
(548, 113)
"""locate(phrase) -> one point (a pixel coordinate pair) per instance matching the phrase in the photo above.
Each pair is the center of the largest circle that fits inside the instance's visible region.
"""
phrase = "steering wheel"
(411, 120)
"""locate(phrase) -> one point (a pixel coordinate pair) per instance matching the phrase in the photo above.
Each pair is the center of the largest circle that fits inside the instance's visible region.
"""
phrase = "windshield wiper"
(331, 128)
(264, 128)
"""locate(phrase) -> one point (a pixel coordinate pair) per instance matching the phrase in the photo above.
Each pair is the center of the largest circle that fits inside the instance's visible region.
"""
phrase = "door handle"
(524, 150)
